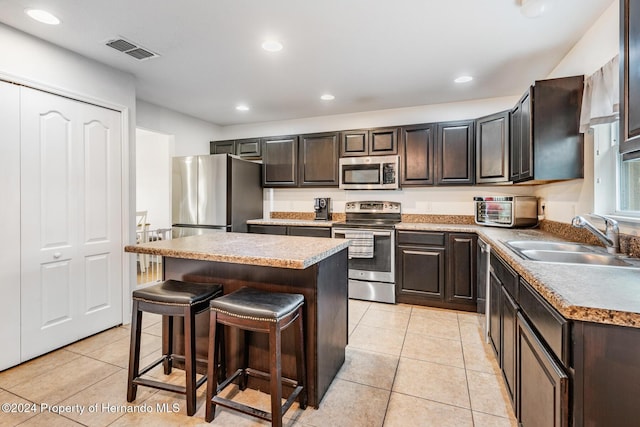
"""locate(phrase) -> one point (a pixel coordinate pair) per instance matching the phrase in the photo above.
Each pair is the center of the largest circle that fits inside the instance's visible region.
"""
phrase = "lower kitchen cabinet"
(529, 338)
(543, 385)
(436, 269)
(461, 268)
(290, 230)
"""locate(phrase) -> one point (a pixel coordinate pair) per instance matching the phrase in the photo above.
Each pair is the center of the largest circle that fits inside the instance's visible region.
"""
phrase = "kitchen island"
(313, 267)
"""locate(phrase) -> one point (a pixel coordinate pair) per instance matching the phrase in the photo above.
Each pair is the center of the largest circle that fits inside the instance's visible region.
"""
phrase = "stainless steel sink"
(546, 245)
(574, 257)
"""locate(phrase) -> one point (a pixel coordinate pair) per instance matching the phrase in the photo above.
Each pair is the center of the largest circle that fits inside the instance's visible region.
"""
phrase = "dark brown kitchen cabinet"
(318, 161)
(461, 268)
(421, 273)
(369, 142)
(521, 140)
(250, 148)
(279, 158)
(630, 75)
(508, 327)
(222, 147)
(425, 269)
(542, 384)
(455, 153)
(417, 145)
(503, 308)
(280, 230)
(492, 148)
(290, 230)
(546, 144)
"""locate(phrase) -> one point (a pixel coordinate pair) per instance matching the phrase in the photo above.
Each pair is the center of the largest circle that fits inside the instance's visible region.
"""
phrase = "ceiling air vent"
(131, 49)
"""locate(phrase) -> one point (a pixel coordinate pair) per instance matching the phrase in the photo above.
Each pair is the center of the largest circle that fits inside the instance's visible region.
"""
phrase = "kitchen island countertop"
(246, 248)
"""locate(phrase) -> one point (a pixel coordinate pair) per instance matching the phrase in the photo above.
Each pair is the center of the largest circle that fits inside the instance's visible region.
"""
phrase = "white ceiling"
(371, 54)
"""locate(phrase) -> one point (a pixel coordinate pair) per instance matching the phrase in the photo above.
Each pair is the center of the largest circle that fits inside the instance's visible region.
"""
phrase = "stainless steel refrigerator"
(214, 193)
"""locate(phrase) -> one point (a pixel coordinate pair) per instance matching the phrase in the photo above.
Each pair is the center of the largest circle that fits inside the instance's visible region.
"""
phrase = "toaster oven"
(506, 211)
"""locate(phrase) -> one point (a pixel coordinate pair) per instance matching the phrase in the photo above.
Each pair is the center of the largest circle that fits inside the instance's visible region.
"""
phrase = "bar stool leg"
(300, 360)
(276, 373)
(134, 351)
(212, 386)
(190, 359)
(244, 363)
(167, 343)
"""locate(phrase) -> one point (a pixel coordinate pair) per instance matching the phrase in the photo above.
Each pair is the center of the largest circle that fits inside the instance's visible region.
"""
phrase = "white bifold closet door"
(71, 220)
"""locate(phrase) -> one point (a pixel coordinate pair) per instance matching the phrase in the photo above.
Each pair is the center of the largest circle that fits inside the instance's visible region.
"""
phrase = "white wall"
(153, 177)
(596, 47)
(392, 117)
(192, 135)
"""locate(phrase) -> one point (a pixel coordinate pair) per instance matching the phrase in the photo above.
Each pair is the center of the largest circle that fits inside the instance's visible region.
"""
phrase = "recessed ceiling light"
(272, 46)
(42, 16)
(533, 8)
(463, 79)
(242, 108)
(327, 97)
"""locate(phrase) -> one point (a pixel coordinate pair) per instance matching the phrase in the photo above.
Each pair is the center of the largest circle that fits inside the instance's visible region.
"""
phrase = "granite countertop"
(294, 222)
(590, 293)
(243, 248)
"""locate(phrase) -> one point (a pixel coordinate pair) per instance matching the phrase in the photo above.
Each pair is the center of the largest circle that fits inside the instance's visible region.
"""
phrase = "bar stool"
(267, 312)
(169, 298)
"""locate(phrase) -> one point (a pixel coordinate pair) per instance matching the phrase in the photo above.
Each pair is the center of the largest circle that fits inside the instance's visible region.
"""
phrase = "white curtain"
(601, 97)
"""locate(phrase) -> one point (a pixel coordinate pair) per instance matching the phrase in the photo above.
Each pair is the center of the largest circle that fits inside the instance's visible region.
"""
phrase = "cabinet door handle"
(57, 255)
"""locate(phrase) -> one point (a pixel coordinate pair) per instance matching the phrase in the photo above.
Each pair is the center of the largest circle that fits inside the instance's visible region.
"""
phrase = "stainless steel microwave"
(369, 173)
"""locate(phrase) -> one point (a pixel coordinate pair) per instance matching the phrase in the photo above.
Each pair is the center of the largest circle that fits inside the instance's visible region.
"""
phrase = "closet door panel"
(49, 222)
(100, 245)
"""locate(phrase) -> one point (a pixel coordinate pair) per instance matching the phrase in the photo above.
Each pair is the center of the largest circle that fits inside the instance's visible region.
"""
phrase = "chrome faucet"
(610, 237)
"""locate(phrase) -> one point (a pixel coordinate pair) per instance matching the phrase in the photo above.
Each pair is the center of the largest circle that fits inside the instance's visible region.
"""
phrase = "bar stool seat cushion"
(253, 304)
(173, 292)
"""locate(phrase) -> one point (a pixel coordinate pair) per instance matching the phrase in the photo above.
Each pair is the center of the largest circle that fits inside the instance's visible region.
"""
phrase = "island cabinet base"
(325, 289)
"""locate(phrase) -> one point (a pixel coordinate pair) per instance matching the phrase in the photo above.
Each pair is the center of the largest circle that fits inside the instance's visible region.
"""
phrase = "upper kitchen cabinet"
(454, 153)
(369, 142)
(630, 75)
(249, 148)
(222, 147)
(279, 158)
(492, 148)
(318, 160)
(416, 154)
(546, 144)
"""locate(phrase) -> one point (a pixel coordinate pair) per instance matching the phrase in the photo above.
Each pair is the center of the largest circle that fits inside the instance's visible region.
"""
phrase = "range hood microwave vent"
(131, 49)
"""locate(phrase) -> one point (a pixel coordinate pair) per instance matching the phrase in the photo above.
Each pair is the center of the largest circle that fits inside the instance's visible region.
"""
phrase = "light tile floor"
(405, 366)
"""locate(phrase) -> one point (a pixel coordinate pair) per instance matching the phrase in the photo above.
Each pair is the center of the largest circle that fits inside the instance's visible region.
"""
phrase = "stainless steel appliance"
(322, 208)
(483, 277)
(370, 226)
(369, 173)
(506, 211)
(214, 193)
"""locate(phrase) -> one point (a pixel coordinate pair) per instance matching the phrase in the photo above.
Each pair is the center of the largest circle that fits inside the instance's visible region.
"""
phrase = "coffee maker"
(322, 207)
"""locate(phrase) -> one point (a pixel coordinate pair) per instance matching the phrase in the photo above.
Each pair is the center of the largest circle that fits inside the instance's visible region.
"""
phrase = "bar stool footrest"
(245, 409)
(160, 385)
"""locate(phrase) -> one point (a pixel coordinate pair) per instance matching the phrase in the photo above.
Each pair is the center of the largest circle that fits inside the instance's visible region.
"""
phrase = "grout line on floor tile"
(466, 377)
(437, 401)
(395, 373)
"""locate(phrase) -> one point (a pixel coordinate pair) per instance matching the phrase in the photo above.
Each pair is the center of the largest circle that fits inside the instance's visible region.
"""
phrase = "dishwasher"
(482, 281)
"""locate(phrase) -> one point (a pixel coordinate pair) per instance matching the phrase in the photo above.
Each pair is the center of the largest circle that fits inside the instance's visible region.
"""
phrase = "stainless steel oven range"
(370, 226)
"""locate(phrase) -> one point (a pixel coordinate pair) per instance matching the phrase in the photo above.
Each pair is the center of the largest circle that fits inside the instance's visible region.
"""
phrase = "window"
(617, 181)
